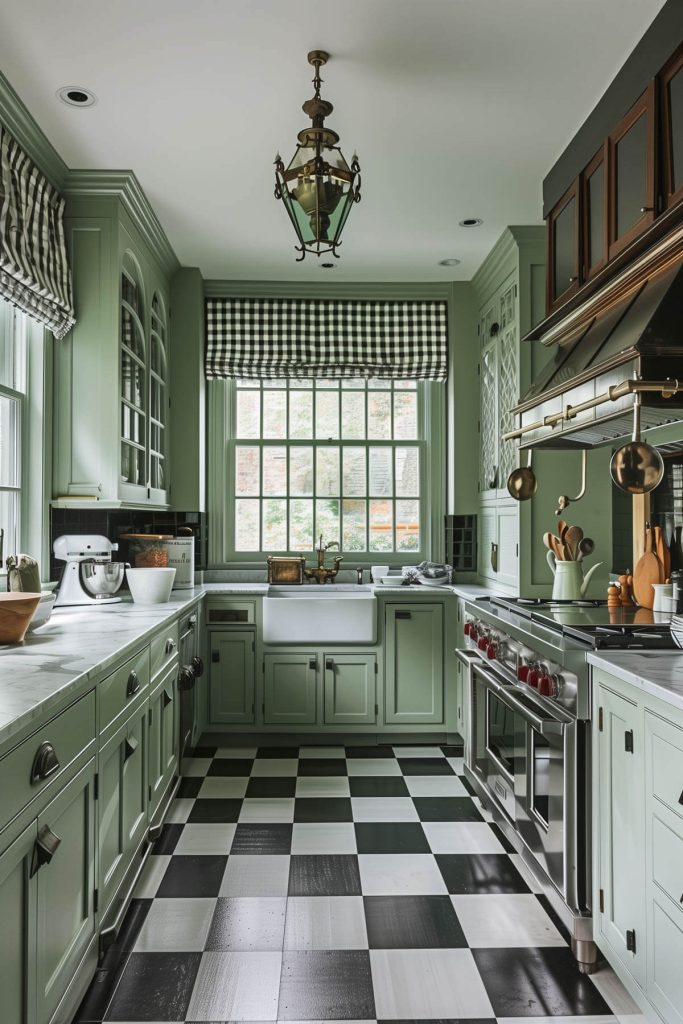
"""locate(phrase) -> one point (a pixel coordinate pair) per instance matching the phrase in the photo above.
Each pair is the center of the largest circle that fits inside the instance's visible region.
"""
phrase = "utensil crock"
(569, 584)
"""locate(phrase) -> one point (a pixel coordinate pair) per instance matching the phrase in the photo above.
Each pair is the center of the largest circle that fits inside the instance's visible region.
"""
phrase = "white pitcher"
(570, 583)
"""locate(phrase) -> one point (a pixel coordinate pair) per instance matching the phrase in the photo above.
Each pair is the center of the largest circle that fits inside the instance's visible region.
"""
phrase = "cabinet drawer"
(226, 613)
(666, 746)
(163, 649)
(122, 691)
(667, 861)
(68, 734)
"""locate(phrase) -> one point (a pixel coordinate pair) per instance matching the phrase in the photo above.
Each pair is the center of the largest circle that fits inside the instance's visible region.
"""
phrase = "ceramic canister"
(181, 558)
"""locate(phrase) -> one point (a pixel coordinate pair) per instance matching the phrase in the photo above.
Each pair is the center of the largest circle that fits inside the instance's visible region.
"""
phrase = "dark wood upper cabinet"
(672, 129)
(594, 220)
(563, 249)
(631, 164)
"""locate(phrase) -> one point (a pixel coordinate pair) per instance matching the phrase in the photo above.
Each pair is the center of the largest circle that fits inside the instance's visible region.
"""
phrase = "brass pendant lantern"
(318, 187)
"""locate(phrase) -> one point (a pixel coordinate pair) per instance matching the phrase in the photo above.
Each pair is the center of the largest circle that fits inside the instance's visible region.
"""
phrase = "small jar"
(148, 550)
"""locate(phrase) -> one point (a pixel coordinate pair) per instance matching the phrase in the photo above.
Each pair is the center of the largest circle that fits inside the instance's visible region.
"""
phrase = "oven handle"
(466, 657)
(545, 726)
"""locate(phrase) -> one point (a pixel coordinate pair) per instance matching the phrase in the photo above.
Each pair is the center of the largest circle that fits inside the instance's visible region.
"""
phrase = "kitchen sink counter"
(659, 673)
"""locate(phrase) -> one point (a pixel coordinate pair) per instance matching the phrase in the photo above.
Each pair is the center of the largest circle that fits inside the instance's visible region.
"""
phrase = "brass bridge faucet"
(322, 574)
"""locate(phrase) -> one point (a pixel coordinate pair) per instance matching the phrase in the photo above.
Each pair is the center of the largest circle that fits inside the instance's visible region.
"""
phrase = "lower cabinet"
(163, 736)
(290, 684)
(350, 689)
(318, 686)
(18, 930)
(231, 677)
(414, 664)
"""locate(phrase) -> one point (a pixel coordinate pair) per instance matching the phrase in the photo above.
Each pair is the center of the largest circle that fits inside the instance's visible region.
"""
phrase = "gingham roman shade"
(34, 270)
(256, 339)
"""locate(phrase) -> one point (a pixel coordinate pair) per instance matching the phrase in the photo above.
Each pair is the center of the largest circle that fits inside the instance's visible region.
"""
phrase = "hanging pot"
(564, 499)
(522, 482)
(637, 467)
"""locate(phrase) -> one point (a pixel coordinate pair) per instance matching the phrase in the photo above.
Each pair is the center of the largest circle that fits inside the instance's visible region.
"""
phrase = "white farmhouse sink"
(327, 614)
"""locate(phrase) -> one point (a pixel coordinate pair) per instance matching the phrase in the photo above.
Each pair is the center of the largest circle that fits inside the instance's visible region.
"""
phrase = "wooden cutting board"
(646, 573)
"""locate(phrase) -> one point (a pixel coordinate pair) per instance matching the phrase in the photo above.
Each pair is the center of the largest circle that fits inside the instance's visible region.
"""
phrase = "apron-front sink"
(329, 614)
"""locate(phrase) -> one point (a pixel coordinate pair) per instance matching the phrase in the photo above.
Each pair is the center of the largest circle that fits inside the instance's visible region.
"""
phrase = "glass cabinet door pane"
(596, 216)
(631, 176)
(564, 248)
(676, 129)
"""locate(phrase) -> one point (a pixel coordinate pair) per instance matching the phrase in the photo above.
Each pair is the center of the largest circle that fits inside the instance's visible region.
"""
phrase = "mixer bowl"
(102, 579)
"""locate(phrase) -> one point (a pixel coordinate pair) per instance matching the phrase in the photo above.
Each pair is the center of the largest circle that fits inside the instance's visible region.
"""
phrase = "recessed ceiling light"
(327, 266)
(76, 96)
(470, 222)
(449, 263)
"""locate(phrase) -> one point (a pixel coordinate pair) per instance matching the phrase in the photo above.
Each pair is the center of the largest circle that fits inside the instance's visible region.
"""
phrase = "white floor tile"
(413, 874)
(322, 785)
(505, 920)
(372, 808)
(267, 810)
(435, 785)
(427, 984)
(223, 788)
(236, 987)
(195, 766)
(615, 995)
(457, 764)
(244, 753)
(373, 766)
(461, 837)
(325, 922)
(176, 926)
(609, 1019)
(322, 752)
(271, 767)
(418, 752)
(150, 879)
(256, 875)
(206, 839)
(324, 837)
(180, 811)
(247, 924)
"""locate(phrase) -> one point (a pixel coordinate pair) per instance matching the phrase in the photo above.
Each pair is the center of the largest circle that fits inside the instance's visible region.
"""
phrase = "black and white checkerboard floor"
(329, 884)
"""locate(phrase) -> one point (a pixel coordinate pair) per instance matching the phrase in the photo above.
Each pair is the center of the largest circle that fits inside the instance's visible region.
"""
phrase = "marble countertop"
(659, 673)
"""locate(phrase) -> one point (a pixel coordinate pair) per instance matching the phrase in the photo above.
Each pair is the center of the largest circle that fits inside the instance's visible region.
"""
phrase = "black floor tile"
(189, 787)
(390, 837)
(502, 838)
(453, 750)
(155, 986)
(265, 786)
(324, 875)
(326, 985)
(331, 808)
(542, 982)
(425, 766)
(192, 876)
(468, 785)
(442, 1020)
(288, 752)
(412, 922)
(214, 812)
(168, 839)
(262, 839)
(559, 924)
(201, 752)
(242, 925)
(322, 766)
(231, 766)
(102, 987)
(446, 808)
(480, 873)
(377, 785)
(379, 751)
(131, 925)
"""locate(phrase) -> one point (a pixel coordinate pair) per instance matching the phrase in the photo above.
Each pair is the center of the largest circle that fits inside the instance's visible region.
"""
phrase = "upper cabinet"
(672, 129)
(594, 203)
(631, 164)
(563, 248)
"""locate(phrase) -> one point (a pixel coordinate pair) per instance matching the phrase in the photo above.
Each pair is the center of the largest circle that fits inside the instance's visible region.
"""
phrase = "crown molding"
(358, 290)
(124, 186)
(16, 117)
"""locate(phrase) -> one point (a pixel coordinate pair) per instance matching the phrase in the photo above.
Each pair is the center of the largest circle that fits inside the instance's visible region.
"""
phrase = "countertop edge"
(666, 662)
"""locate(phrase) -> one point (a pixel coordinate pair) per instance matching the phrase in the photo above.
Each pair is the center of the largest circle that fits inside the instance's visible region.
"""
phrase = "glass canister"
(148, 550)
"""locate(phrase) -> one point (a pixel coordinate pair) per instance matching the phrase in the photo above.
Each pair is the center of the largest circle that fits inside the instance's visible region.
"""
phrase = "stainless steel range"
(528, 748)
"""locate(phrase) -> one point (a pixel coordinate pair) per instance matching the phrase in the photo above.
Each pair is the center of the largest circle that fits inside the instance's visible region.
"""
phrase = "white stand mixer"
(90, 576)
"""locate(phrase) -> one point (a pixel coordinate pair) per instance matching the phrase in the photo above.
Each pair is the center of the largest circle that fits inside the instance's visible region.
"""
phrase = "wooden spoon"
(572, 539)
(586, 547)
(663, 553)
(647, 572)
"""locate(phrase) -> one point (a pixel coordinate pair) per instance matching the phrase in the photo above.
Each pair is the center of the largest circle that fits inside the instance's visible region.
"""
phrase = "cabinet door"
(563, 249)
(488, 418)
(231, 677)
(594, 198)
(413, 680)
(65, 890)
(672, 125)
(508, 545)
(122, 804)
(18, 930)
(290, 689)
(632, 173)
(507, 381)
(620, 768)
(350, 689)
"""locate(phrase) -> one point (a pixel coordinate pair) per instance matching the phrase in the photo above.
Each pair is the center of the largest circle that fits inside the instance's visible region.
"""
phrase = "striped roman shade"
(261, 339)
(34, 270)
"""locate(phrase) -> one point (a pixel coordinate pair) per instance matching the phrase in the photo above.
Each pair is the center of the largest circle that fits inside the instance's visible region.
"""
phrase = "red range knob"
(491, 652)
(545, 686)
(523, 672)
(482, 643)
(533, 677)
(467, 628)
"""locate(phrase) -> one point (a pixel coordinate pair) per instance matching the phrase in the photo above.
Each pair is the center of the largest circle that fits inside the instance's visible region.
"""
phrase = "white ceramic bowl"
(150, 586)
(392, 581)
(43, 611)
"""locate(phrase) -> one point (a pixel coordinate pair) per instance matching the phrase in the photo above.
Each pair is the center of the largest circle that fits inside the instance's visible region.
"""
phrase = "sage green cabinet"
(231, 677)
(350, 689)
(18, 930)
(122, 803)
(163, 736)
(290, 685)
(414, 663)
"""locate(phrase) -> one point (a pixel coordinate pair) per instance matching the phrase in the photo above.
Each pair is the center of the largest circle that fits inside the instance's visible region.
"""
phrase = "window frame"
(221, 496)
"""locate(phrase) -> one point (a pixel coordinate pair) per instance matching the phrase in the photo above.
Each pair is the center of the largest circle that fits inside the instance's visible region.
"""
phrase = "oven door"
(498, 738)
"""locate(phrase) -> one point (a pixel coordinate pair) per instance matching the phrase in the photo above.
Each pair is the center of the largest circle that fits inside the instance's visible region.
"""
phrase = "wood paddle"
(659, 548)
(647, 572)
(572, 539)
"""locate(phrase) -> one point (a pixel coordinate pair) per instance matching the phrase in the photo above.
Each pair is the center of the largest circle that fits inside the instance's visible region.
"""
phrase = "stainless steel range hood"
(627, 338)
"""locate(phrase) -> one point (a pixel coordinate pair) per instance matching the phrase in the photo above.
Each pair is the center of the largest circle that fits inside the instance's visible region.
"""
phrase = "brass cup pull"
(170, 646)
(168, 698)
(402, 615)
(329, 664)
(45, 763)
(197, 665)
(131, 745)
(133, 684)
(312, 664)
(44, 849)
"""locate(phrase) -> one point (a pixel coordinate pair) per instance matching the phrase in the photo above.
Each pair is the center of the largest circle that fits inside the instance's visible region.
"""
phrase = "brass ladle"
(522, 482)
(637, 467)
(564, 500)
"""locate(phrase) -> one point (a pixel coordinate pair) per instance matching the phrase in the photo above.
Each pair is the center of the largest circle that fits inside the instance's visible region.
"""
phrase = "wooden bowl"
(16, 611)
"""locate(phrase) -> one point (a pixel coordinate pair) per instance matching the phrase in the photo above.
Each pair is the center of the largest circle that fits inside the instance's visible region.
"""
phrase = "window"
(13, 378)
(345, 459)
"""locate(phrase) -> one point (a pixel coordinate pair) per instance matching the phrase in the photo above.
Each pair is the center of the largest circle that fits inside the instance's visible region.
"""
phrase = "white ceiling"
(457, 108)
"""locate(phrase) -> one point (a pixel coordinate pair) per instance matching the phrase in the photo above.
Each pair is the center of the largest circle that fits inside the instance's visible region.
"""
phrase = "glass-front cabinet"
(632, 173)
(672, 127)
(594, 220)
(563, 248)
(158, 397)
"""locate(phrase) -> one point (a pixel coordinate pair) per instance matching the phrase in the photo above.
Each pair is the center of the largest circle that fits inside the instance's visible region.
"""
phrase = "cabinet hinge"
(253, 709)
(96, 900)
(602, 901)
(376, 668)
(631, 940)
(516, 550)
(215, 656)
(149, 793)
(263, 710)
(253, 646)
(96, 786)
(263, 667)
(601, 718)
(376, 710)
(628, 741)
